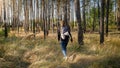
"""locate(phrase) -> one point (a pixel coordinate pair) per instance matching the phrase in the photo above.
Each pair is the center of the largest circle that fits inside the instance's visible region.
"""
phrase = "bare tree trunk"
(98, 14)
(94, 18)
(5, 24)
(49, 12)
(44, 18)
(102, 22)
(14, 14)
(34, 18)
(68, 11)
(26, 10)
(19, 9)
(118, 17)
(31, 15)
(78, 18)
(38, 19)
(65, 12)
(107, 17)
(52, 16)
(84, 17)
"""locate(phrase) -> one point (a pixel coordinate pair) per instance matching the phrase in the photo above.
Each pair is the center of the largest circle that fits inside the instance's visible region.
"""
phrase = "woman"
(63, 35)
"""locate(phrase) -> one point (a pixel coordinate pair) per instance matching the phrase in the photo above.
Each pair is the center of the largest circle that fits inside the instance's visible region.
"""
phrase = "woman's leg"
(64, 47)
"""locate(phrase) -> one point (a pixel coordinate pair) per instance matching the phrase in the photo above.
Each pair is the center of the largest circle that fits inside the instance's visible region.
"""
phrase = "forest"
(29, 33)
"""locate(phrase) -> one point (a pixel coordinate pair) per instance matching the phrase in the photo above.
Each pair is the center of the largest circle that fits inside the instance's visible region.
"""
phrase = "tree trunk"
(118, 17)
(31, 15)
(34, 17)
(19, 9)
(14, 14)
(44, 18)
(5, 24)
(94, 17)
(65, 12)
(107, 17)
(78, 18)
(84, 17)
(46, 8)
(26, 23)
(68, 9)
(102, 22)
(52, 16)
(98, 15)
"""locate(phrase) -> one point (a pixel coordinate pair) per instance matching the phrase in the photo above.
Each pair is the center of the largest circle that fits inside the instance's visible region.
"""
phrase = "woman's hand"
(71, 40)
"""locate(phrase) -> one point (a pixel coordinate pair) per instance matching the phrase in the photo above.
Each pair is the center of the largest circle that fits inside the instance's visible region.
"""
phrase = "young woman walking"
(64, 35)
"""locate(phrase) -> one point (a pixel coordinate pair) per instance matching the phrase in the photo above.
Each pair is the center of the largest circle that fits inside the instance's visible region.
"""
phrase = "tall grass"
(40, 53)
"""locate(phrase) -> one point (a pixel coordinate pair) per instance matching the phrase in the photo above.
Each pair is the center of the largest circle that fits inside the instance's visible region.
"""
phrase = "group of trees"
(44, 14)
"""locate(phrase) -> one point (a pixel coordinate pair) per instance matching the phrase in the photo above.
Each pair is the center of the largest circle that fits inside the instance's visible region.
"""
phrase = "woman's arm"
(69, 31)
(58, 33)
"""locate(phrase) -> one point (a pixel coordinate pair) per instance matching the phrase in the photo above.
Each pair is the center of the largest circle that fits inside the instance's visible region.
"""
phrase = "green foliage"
(42, 25)
(1, 32)
(73, 24)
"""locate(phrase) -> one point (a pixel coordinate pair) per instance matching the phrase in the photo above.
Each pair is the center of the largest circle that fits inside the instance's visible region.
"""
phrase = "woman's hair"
(62, 23)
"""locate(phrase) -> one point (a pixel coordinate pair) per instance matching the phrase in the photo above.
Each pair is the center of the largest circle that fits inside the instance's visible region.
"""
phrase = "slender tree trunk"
(65, 12)
(47, 25)
(49, 14)
(31, 15)
(58, 18)
(107, 17)
(84, 17)
(14, 14)
(5, 24)
(68, 9)
(115, 13)
(102, 22)
(118, 17)
(26, 23)
(98, 15)
(44, 19)
(94, 17)
(19, 9)
(78, 18)
(38, 19)
(52, 16)
(34, 18)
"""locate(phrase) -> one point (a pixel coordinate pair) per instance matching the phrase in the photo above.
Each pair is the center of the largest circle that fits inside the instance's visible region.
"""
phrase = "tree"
(94, 19)
(26, 14)
(118, 17)
(84, 17)
(98, 5)
(14, 14)
(52, 16)
(107, 16)
(102, 22)
(19, 10)
(65, 11)
(5, 23)
(78, 19)
(44, 18)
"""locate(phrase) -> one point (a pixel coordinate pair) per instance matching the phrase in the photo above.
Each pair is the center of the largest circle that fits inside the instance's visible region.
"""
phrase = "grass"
(40, 53)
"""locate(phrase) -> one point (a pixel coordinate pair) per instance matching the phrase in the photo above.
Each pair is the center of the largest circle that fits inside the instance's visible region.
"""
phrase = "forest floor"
(25, 51)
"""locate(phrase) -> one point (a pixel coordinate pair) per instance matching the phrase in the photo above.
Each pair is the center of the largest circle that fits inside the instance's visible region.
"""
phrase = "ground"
(24, 51)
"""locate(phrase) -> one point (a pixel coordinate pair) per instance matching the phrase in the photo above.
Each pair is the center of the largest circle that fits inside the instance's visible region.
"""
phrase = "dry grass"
(40, 53)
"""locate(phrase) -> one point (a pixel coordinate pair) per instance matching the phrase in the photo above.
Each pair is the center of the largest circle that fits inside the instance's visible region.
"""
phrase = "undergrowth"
(40, 53)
